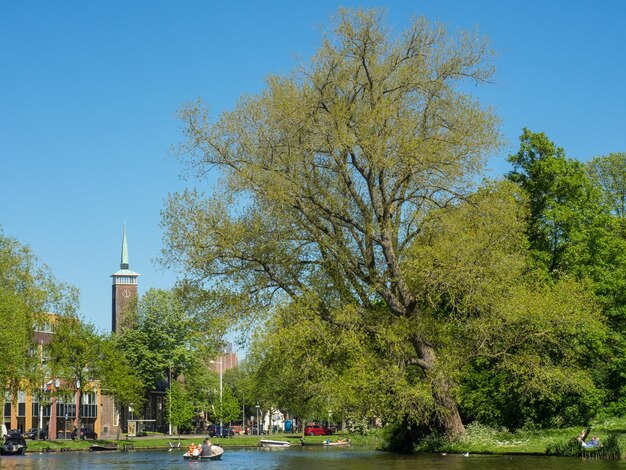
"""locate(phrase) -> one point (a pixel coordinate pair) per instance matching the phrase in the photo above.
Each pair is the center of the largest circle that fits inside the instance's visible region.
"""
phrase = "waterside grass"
(159, 441)
(477, 440)
(484, 440)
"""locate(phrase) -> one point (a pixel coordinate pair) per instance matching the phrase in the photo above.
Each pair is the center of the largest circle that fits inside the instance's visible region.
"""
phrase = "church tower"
(124, 287)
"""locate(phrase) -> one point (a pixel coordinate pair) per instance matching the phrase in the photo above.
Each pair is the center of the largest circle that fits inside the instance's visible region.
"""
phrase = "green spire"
(124, 263)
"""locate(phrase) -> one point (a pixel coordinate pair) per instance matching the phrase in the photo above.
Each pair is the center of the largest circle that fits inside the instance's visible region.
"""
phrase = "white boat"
(216, 454)
(273, 443)
(340, 443)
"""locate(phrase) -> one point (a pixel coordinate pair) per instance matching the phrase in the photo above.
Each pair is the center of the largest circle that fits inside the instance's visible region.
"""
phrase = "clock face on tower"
(126, 293)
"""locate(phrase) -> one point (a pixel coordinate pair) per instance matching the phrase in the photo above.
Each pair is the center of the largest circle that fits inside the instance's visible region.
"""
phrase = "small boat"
(98, 448)
(272, 443)
(339, 443)
(14, 444)
(216, 454)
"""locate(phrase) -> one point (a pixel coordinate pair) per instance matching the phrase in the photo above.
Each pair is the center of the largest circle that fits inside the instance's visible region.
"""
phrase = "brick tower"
(124, 287)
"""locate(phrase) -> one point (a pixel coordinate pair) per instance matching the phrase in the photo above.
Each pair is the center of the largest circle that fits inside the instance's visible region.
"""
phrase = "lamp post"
(41, 389)
(220, 363)
(170, 403)
(258, 429)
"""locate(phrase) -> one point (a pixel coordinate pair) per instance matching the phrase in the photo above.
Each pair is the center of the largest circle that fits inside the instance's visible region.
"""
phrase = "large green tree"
(609, 172)
(161, 337)
(118, 378)
(74, 357)
(328, 174)
(28, 291)
(522, 344)
(511, 338)
(565, 206)
(179, 409)
(576, 228)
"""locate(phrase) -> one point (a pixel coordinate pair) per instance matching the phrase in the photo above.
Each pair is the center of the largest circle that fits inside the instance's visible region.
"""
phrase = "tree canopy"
(28, 293)
(329, 173)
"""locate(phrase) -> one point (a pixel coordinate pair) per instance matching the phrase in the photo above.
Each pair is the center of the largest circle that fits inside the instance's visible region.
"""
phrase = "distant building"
(123, 291)
(228, 359)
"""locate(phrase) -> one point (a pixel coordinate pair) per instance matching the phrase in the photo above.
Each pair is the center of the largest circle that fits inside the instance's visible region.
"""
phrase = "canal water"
(296, 458)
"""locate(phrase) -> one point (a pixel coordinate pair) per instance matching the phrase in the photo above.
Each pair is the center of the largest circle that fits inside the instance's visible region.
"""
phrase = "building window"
(89, 398)
(116, 415)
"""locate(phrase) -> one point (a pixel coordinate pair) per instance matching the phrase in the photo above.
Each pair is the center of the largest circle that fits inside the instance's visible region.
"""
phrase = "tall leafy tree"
(575, 228)
(565, 206)
(179, 409)
(118, 378)
(514, 337)
(610, 173)
(28, 291)
(328, 174)
(160, 335)
(74, 358)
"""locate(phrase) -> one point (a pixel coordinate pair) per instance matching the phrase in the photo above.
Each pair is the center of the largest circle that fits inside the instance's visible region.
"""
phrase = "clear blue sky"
(89, 92)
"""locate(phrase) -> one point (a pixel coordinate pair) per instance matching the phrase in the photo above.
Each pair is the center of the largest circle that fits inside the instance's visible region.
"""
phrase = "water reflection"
(298, 458)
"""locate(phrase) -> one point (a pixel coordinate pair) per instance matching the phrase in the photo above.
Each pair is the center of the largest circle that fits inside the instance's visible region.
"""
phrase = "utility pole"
(170, 404)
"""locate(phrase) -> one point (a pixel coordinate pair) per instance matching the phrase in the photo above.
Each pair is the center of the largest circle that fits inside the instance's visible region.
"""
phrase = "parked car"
(317, 430)
(254, 431)
(32, 434)
(237, 430)
(85, 433)
(215, 431)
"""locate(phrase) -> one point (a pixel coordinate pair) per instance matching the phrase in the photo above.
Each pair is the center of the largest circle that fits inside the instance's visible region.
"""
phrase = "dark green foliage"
(576, 227)
(565, 206)
(402, 437)
(179, 409)
(496, 397)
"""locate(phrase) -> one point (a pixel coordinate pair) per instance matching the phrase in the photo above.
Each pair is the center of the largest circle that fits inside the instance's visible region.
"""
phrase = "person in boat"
(207, 446)
(192, 447)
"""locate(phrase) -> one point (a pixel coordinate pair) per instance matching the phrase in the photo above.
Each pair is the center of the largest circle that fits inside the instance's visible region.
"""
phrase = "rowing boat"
(216, 454)
(273, 443)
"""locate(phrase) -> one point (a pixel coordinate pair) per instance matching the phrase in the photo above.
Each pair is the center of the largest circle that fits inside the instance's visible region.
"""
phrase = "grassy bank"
(478, 440)
(484, 440)
(158, 441)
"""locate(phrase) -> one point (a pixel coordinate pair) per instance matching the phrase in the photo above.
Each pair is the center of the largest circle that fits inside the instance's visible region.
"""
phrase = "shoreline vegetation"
(477, 440)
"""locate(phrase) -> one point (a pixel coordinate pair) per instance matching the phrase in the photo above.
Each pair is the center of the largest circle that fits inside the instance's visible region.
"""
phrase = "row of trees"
(379, 279)
(77, 356)
(161, 341)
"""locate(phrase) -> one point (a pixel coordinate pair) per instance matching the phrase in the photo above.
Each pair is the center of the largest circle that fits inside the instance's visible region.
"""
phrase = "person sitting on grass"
(582, 436)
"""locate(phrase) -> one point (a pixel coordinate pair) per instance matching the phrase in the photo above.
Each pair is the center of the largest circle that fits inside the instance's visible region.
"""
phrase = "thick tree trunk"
(447, 416)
